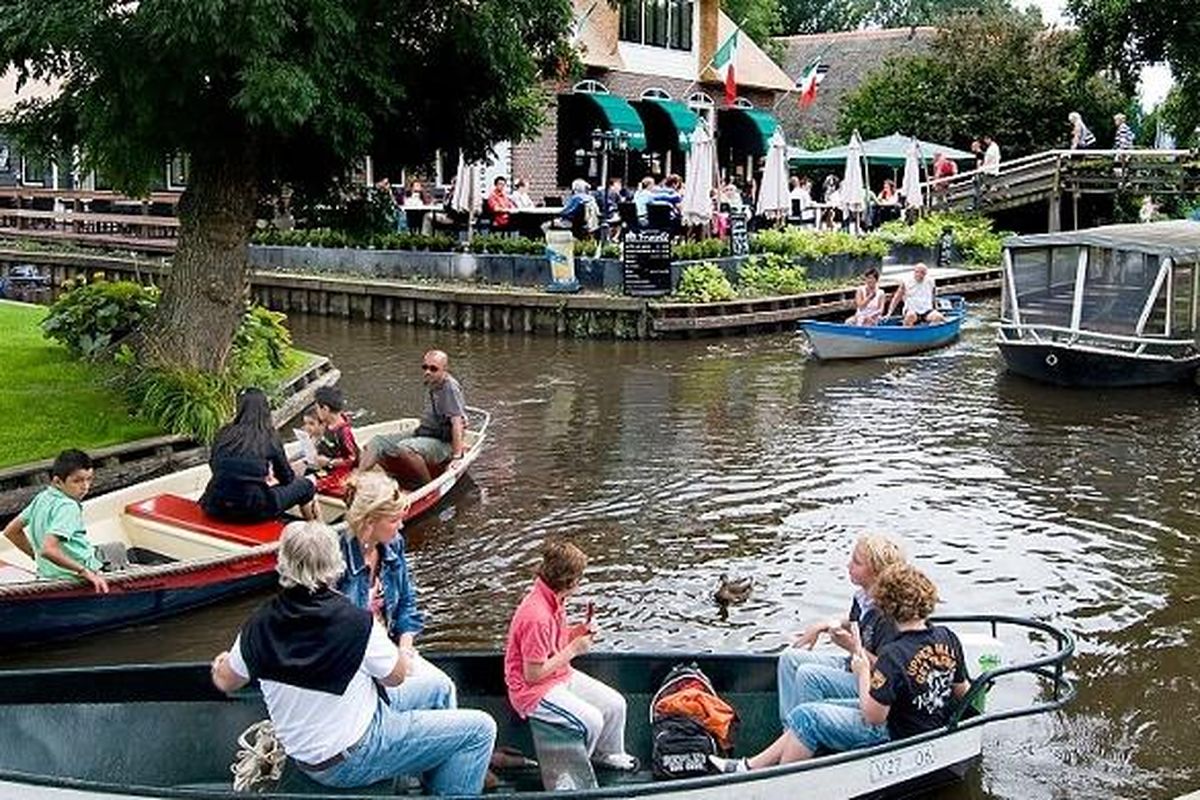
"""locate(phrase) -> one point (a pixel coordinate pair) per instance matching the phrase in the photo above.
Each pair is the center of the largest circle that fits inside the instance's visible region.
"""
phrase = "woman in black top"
(251, 477)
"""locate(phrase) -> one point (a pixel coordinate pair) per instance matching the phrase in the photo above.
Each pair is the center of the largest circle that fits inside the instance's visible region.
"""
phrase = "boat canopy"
(1121, 280)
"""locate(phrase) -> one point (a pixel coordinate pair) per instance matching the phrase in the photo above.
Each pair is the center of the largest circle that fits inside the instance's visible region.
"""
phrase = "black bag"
(681, 744)
(680, 747)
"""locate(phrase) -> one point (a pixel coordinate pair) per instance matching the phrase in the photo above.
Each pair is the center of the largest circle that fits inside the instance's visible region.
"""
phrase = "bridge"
(1055, 175)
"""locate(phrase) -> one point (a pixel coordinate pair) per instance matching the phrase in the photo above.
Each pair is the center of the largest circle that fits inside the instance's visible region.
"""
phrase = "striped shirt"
(1124, 140)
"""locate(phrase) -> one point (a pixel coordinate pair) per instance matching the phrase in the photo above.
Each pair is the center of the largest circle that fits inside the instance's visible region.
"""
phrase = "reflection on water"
(671, 463)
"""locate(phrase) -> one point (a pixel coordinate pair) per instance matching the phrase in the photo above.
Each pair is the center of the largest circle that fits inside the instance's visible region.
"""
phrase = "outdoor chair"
(659, 217)
(550, 201)
(629, 216)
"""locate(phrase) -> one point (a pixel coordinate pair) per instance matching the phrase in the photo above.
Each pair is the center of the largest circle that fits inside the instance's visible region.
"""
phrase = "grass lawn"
(51, 402)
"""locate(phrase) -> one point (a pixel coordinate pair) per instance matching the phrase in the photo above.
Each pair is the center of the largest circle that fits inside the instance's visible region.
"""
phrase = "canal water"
(672, 463)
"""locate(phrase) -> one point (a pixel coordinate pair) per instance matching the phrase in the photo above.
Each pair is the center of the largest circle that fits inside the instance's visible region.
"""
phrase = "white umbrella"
(773, 196)
(853, 183)
(911, 188)
(697, 206)
(466, 192)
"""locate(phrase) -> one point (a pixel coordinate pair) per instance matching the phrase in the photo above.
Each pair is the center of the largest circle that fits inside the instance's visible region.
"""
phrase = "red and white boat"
(202, 560)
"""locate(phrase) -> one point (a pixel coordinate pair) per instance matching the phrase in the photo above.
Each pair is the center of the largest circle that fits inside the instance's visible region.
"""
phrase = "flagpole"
(696, 82)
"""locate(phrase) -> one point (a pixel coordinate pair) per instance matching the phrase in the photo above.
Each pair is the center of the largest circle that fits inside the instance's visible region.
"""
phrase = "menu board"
(647, 263)
(739, 233)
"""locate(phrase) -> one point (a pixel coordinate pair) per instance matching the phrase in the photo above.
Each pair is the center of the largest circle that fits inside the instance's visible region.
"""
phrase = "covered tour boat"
(1103, 307)
(178, 734)
(838, 340)
(185, 558)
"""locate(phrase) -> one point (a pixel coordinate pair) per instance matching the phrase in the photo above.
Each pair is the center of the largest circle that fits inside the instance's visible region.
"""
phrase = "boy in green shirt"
(50, 529)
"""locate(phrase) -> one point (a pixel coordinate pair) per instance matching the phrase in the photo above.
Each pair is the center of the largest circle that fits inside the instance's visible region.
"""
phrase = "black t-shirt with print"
(874, 627)
(915, 675)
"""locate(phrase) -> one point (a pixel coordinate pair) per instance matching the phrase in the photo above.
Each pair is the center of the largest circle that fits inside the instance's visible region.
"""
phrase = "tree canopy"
(1126, 35)
(822, 16)
(1018, 85)
(263, 91)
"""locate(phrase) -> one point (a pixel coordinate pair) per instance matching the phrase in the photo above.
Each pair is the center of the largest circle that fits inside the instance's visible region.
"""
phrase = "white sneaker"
(729, 765)
(622, 762)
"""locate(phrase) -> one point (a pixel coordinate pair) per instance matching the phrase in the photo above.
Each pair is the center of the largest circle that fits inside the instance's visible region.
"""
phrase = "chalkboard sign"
(739, 233)
(647, 263)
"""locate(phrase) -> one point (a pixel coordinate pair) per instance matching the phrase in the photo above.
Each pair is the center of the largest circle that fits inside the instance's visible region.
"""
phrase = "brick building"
(646, 84)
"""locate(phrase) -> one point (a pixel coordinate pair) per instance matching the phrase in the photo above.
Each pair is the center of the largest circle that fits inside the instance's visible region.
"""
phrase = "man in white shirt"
(918, 292)
(334, 684)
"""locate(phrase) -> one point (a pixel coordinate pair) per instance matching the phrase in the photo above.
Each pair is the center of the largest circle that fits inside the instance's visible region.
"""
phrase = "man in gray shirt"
(439, 437)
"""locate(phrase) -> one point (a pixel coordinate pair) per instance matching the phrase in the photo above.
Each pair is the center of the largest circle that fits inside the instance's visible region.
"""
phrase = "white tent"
(911, 188)
(773, 197)
(853, 188)
(697, 207)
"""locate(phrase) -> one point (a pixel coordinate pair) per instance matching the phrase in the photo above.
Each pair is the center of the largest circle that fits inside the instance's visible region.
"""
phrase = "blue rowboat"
(832, 340)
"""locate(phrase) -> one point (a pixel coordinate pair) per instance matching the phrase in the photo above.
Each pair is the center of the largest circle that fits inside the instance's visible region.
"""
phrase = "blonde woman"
(377, 578)
(805, 676)
(909, 690)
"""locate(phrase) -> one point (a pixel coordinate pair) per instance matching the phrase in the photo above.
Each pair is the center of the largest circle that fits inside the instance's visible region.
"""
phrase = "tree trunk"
(204, 293)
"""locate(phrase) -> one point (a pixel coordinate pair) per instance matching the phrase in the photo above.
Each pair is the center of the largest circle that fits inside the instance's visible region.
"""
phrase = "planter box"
(912, 253)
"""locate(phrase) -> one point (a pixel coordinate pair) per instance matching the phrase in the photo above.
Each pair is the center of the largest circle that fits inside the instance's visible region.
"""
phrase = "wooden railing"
(1048, 176)
(95, 215)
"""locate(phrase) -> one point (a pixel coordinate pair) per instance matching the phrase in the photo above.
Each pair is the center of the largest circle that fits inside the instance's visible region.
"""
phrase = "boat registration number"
(903, 764)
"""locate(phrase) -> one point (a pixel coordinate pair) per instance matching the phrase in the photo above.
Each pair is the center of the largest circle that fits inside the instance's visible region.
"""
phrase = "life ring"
(1051, 360)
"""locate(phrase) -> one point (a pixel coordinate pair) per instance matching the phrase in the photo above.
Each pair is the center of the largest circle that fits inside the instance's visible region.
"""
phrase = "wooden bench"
(180, 512)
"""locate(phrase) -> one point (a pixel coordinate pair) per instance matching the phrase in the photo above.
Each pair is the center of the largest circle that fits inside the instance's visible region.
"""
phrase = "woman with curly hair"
(910, 690)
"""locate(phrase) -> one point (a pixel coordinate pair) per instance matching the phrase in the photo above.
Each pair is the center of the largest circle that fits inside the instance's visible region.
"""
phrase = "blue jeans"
(420, 733)
(836, 725)
(807, 677)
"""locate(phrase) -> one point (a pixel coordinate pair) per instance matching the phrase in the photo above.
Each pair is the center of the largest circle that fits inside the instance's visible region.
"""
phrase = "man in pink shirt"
(537, 662)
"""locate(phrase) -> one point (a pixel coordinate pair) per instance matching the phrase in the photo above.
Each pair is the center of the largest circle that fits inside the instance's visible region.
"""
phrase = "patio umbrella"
(773, 198)
(853, 181)
(697, 207)
(911, 188)
(466, 191)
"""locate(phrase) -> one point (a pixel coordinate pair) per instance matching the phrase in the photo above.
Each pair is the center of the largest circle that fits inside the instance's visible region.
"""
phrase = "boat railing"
(485, 416)
(1036, 332)
(1050, 667)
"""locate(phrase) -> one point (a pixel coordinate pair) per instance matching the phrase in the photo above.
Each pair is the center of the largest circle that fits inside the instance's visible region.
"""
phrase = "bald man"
(437, 441)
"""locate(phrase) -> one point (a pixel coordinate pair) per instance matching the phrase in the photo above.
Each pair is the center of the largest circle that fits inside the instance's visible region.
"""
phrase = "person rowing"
(918, 292)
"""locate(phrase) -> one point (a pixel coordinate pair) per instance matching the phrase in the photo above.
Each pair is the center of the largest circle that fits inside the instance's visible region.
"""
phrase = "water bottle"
(987, 663)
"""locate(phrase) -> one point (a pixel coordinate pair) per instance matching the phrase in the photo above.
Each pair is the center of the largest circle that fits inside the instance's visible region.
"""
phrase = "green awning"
(681, 119)
(752, 127)
(620, 116)
(891, 151)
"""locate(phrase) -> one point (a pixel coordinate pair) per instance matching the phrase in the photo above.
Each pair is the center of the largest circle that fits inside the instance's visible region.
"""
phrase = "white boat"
(187, 559)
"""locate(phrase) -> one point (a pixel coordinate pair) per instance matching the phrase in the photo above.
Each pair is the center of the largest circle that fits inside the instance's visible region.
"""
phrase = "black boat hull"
(1062, 365)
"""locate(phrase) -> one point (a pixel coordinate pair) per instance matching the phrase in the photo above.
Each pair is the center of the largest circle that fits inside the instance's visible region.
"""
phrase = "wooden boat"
(178, 734)
(1103, 307)
(193, 559)
(837, 340)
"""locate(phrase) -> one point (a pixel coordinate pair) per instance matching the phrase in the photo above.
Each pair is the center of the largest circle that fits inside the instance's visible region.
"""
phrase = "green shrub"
(90, 317)
(806, 245)
(699, 251)
(260, 344)
(703, 283)
(433, 243)
(185, 402)
(507, 245)
(771, 275)
(973, 235)
(610, 250)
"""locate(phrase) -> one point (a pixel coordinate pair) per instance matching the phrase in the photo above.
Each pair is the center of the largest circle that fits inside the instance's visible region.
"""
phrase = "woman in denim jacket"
(377, 578)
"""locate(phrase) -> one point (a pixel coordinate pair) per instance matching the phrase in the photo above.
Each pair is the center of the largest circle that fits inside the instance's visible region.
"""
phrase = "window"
(655, 93)
(33, 171)
(658, 23)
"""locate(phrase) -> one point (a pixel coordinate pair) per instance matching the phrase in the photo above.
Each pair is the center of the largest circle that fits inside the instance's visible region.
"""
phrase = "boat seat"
(562, 757)
(171, 509)
(11, 573)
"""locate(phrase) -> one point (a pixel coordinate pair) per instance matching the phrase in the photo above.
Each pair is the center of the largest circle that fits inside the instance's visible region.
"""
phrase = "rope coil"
(259, 760)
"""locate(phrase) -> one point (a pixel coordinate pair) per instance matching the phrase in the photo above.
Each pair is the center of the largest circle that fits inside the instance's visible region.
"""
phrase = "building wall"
(536, 160)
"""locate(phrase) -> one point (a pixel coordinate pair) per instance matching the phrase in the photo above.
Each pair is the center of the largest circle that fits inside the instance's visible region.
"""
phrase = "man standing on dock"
(439, 438)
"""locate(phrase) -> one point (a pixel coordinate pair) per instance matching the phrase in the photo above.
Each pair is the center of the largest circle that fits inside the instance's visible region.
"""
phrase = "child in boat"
(310, 423)
(50, 529)
(537, 662)
(910, 690)
(805, 676)
(337, 451)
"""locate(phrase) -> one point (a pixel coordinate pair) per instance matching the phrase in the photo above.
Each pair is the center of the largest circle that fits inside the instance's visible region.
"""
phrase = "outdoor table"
(528, 221)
